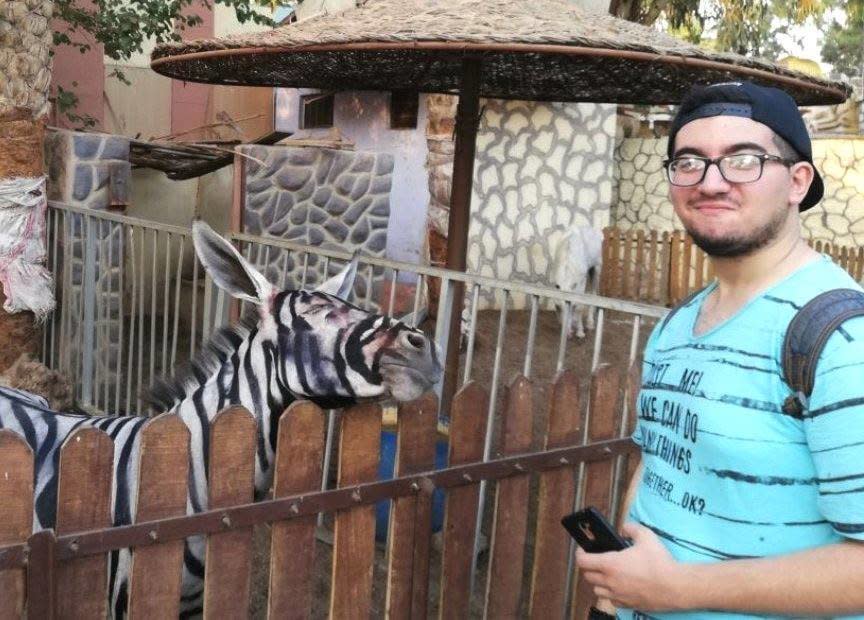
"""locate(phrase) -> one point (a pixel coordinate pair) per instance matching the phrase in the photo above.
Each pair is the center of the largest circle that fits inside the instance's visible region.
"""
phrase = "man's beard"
(738, 246)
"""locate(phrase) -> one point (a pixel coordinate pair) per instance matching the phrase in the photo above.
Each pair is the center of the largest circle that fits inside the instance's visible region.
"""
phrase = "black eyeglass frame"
(762, 157)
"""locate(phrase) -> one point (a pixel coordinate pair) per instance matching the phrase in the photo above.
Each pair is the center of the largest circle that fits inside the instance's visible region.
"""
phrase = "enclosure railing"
(133, 302)
(524, 574)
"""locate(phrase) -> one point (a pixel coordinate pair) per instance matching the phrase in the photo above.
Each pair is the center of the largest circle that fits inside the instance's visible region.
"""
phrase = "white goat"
(578, 257)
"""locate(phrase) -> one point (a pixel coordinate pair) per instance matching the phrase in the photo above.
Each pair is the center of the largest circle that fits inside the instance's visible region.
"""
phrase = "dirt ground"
(615, 349)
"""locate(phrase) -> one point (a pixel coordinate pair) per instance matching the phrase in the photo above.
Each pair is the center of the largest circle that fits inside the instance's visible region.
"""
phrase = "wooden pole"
(21, 138)
(467, 121)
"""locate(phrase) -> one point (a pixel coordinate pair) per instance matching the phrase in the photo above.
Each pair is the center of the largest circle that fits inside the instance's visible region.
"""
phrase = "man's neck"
(739, 278)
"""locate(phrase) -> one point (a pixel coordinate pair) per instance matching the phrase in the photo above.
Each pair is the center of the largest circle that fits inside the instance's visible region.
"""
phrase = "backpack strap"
(684, 302)
(806, 336)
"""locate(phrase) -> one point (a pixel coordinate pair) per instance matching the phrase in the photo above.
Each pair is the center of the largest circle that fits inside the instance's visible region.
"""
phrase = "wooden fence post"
(630, 460)
(231, 482)
(298, 469)
(163, 479)
(602, 424)
(639, 266)
(627, 266)
(509, 528)
(687, 261)
(469, 413)
(555, 499)
(410, 524)
(652, 292)
(608, 261)
(675, 262)
(84, 503)
(664, 293)
(16, 515)
(354, 532)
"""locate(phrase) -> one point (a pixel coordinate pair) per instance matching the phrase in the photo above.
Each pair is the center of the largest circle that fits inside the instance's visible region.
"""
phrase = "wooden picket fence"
(664, 267)
(62, 573)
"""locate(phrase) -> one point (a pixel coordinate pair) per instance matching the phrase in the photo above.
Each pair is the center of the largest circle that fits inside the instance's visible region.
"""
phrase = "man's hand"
(644, 576)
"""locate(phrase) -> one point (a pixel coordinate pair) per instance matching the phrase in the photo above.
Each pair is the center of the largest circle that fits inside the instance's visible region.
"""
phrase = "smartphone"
(593, 532)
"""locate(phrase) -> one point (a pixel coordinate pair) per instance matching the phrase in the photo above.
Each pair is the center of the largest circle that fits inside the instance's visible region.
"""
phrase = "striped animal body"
(300, 345)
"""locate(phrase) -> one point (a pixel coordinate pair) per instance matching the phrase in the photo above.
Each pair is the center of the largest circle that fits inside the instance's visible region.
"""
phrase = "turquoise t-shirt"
(727, 474)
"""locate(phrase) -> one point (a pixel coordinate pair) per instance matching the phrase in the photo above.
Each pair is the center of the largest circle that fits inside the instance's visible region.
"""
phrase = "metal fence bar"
(165, 297)
(328, 455)
(305, 270)
(107, 314)
(133, 276)
(284, 270)
(490, 426)
(178, 285)
(598, 340)
(86, 327)
(469, 355)
(141, 322)
(52, 361)
(392, 300)
(532, 335)
(562, 338)
(194, 317)
(121, 242)
(418, 290)
(155, 235)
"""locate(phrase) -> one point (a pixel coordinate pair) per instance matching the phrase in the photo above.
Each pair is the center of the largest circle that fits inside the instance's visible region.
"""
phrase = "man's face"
(736, 219)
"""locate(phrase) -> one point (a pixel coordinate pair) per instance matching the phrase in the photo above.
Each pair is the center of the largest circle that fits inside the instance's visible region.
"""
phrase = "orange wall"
(83, 74)
(182, 107)
(189, 101)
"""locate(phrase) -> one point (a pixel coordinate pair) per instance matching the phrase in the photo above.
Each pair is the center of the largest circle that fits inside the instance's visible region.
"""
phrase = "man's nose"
(713, 182)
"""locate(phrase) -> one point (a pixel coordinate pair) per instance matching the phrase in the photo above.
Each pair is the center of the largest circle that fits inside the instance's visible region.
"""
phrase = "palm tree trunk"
(25, 46)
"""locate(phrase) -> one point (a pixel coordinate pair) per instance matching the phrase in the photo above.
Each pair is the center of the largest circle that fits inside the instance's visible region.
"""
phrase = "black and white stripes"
(300, 344)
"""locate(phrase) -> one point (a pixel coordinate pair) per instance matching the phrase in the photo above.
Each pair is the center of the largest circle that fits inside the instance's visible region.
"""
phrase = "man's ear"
(802, 174)
(342, 283)
(229, 270)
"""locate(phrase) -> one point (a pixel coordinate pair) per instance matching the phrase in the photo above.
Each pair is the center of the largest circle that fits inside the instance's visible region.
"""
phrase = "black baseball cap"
(770, 106)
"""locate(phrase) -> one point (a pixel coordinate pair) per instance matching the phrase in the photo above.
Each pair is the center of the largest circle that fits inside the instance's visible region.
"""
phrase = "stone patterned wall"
(642, 200)
(839, 218)
(83, 170)
(323, 197)
(540, 168)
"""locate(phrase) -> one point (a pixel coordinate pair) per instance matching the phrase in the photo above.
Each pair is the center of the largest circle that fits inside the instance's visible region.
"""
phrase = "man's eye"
(743, 162)
(688, 165)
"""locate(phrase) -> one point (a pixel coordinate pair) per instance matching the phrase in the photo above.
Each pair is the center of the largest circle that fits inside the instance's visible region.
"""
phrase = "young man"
(738, 507)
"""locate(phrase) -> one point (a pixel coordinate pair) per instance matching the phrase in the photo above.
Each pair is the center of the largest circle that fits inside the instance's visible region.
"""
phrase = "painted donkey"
(300, 345)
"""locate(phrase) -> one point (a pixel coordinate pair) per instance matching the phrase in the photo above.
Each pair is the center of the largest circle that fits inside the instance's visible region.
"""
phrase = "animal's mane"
(166, 392)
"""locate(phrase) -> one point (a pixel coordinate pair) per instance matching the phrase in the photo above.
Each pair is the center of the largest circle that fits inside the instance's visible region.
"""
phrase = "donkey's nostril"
(416, 340)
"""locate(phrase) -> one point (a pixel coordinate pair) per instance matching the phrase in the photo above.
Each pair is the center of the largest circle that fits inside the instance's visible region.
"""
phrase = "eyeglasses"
(742, 168)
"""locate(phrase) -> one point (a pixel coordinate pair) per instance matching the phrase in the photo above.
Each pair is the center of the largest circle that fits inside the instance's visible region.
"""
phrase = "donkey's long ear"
(229, 270)
(341, 284)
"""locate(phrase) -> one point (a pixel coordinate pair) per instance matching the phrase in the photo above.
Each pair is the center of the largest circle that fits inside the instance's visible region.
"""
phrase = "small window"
(403, 109)
(316, 110)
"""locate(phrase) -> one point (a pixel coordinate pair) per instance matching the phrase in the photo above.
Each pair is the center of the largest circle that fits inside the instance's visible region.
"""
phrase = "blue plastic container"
(385, 472)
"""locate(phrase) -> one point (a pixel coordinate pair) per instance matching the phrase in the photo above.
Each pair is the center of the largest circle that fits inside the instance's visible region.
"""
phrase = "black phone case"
(593, 532)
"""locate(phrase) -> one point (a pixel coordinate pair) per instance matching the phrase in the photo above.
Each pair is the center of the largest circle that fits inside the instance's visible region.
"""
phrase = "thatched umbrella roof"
(542, 50)
(545, 50)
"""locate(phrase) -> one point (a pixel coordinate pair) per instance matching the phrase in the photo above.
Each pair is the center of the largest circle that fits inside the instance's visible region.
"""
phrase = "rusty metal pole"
(467, 121)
